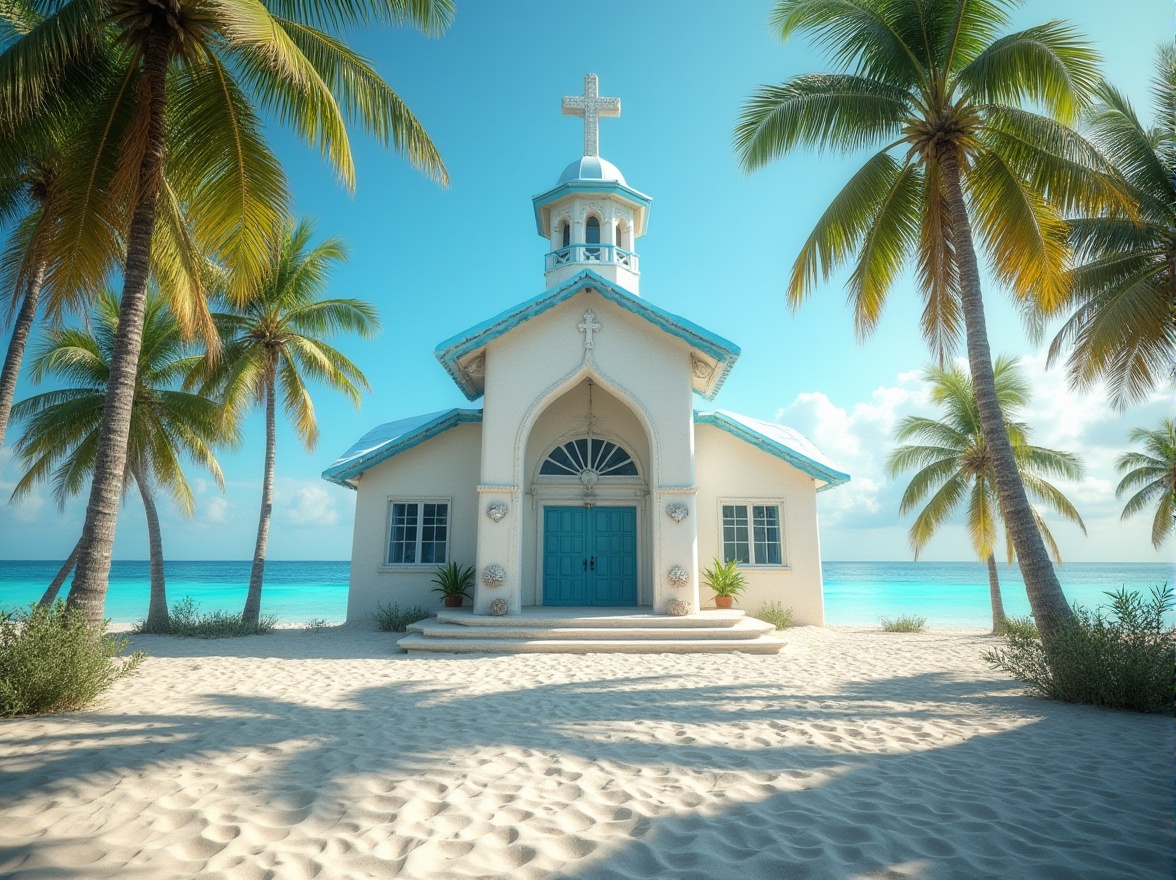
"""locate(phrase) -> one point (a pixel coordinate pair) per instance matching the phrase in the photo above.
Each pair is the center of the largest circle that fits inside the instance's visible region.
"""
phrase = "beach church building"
(593, 480)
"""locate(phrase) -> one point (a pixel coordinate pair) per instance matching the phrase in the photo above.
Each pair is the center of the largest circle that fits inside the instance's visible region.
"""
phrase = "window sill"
(409, 568)
(746, 566)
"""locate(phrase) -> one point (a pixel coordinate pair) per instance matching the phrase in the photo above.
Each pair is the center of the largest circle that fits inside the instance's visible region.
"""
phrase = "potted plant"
(726, 580)
(453, 583)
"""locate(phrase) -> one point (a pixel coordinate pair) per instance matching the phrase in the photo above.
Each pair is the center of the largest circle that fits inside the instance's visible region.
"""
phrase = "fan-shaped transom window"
(589, 454)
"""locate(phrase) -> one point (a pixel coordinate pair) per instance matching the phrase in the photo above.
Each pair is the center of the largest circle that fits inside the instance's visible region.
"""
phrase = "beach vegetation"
(904, 623)
(51, 660)
(1121, 294)
(273, 342)
(1119, 656)
(187, 620)
(1019, 626)
(955, 467)
(970, 149)
(777, 615)
(316, 624)
(393, 618)
(59, 442)
(454, 582)
(1151, 475)
(168, 159)
(724, 579)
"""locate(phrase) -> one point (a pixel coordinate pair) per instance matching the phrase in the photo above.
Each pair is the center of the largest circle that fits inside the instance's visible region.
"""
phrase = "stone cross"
(589, 326)
(591, 106)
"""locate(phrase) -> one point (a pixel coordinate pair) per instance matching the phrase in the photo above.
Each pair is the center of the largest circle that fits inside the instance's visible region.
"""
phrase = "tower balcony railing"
(592, 253)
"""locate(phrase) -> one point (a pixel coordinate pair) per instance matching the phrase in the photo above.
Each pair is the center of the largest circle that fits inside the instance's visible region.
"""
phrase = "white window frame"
(750, 503)
(385, 565)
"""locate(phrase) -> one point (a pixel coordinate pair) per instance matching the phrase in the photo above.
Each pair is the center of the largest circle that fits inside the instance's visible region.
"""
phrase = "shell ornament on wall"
(494, 575)
(677, 512)
(678, 576)
(497, 510)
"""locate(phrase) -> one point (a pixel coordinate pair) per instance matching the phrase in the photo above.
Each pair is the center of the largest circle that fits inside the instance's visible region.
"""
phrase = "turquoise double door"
(589, 555)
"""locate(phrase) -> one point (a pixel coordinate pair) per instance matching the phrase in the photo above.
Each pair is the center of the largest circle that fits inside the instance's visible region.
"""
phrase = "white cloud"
(214, 510)
(308, 506)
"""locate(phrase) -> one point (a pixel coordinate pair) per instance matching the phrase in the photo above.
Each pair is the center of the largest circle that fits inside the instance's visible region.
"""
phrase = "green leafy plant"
(51, 661)
(454, 580)
(390, 618)
(777, 615)
(725, 578)
(1120, 657)
(186, 620)
(1020, 626)
(904, 623)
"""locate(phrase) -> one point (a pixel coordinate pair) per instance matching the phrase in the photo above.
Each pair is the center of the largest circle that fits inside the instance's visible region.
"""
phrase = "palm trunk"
(20, 337)
(998, 612)
(1041, 582)
(252, 612)
(50, 594)
(157, 620)
(92, 579)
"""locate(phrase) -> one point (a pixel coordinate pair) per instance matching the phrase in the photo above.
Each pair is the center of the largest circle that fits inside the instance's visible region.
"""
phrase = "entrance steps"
(590, 631)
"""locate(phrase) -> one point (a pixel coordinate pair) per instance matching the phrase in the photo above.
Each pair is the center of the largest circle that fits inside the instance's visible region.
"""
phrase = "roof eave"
(342, 474)
(814, 469)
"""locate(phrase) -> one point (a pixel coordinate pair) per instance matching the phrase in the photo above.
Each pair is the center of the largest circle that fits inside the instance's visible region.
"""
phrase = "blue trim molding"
(711, 344)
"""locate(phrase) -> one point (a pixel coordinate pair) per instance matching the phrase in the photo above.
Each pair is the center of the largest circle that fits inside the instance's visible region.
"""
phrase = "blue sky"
(717, 252)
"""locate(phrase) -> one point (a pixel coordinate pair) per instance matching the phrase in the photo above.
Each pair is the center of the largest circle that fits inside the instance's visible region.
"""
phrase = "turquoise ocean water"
(953, 594)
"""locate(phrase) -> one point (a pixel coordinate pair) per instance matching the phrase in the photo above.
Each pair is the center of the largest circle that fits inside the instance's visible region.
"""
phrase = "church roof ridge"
(449, 351)
(392, 438)
(778, 440)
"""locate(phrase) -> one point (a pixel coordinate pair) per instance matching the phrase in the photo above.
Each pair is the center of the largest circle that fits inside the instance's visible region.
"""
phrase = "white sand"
(322, 754)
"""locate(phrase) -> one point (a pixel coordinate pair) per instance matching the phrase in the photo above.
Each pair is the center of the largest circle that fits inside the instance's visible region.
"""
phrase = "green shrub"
(725, 578)
(1121, 657)
(389, 618)
(315, 624)
(50, 661)
(1021, 626)
(777, 615)
(185, 619)
(904, 623)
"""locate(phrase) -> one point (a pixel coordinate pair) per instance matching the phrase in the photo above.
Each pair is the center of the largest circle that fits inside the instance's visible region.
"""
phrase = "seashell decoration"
(498, 608)
(494, 575)
(677, 608)
(678, 576)
(677, 511)
(496, 510)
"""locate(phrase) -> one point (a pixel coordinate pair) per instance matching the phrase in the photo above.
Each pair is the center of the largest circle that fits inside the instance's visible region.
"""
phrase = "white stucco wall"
(445, 467)
(730, 469)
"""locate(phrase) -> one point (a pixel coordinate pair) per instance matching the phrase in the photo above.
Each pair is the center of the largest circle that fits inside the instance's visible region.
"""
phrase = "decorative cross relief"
(589, 326)
(591, 106)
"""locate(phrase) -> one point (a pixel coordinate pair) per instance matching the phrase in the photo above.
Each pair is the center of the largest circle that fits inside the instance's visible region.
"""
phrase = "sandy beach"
(852, 754)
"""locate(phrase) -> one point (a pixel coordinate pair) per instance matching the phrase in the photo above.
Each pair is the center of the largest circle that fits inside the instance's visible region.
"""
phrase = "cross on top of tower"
(591, 106)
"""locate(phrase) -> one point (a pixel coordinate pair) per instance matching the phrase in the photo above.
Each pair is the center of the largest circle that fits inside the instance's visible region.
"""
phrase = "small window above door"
(602, 457)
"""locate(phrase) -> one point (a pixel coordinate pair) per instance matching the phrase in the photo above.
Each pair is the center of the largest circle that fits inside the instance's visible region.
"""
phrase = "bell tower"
(592, 217)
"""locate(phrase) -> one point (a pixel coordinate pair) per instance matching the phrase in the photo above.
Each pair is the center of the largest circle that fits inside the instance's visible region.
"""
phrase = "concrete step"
(418, 643)
(747, 628)
(591, 618)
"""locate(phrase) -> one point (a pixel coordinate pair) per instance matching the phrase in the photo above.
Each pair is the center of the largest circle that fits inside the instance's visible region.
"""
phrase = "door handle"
(585, 565)
(592, 563)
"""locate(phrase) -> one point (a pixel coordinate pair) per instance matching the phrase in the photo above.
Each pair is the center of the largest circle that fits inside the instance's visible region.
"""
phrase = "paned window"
(589, 453)
(418, 532)
(752, 534)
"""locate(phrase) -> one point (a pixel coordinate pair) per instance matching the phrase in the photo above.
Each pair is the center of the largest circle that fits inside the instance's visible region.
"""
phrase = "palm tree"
(1152, 476)
(1123, 328)
(954, 463)
(934, 85)
(274, 342)
(177, 134)
(61, 428)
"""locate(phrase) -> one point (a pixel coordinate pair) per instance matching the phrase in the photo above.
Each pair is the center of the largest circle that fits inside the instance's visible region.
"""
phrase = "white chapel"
(593, 475)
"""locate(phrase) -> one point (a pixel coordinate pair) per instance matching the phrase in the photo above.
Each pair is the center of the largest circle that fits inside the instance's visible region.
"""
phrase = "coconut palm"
(273, 343)
(60, 439)
(954, 464)
(177, 133)
(1152, 476)
(943, 94)
(1123, 327)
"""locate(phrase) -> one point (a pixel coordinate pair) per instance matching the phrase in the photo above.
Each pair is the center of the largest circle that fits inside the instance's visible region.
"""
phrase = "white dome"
(591, 168)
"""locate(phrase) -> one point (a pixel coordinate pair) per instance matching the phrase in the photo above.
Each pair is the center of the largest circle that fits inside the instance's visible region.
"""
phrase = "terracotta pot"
(724, 601)
(454, 601)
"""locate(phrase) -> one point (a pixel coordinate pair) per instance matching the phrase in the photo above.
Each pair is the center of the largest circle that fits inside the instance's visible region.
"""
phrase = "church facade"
(593, 474)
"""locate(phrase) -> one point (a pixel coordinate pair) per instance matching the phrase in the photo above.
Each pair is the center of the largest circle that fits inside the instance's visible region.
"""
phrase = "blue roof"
(711, 344)
(392, 438)
(780, 441)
